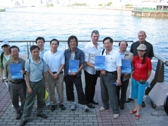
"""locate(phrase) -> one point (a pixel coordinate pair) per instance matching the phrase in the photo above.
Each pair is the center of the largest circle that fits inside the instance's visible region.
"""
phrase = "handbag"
(45, 95)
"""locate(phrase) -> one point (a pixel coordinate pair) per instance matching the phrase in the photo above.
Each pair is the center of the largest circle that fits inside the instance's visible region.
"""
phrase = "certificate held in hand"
(15, 70)
(73, 66)
(126, 66)
(100, 62)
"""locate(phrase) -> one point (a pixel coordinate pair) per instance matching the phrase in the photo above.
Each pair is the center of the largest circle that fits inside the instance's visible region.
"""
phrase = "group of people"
(50, 68)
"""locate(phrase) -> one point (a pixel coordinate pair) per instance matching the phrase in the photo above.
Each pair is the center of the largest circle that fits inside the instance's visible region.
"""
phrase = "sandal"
(133, 112)
(137, 116)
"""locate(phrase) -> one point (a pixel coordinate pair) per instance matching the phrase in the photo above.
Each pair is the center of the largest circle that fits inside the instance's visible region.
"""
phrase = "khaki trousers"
(58, 83)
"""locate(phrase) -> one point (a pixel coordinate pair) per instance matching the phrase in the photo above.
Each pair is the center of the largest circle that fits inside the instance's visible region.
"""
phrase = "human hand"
(103, 72)
(118, 82)
(29, 90)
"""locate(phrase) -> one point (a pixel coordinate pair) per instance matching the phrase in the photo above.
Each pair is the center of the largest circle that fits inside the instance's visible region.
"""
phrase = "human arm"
(29, 89)
(118, 81)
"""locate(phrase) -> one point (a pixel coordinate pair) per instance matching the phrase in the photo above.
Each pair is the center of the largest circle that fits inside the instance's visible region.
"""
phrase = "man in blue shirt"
(36, 70)
(74, 77)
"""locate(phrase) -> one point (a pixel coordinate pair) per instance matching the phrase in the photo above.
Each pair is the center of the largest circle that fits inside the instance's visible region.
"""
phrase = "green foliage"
(50, 5)
(79, 4)
(109, 4)
(128, 5)
(100, 5)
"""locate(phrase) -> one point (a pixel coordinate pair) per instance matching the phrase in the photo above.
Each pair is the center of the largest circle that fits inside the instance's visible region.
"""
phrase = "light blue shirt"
(42, 53)
(35, 70)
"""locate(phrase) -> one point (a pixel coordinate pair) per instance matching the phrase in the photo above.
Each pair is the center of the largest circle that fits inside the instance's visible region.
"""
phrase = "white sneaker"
(86, 109)
(116, 116)
(73, 107)
(102, 108)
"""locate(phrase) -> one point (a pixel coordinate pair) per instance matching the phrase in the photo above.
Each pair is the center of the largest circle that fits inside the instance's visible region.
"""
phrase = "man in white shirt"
(55, 61)
(91, 50)
(110, 77)
(40, 43)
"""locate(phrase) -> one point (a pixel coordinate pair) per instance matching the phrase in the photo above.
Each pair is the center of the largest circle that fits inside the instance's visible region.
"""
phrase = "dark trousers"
(17, 91)
(69, 81)
(38, 91)
(90, 81)
(123, 88)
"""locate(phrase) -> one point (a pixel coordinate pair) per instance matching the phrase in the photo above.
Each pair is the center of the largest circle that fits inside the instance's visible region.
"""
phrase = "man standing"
(36, 70)
(40, 43)
(110, 77)
(125, 55)
(55, 61)
(4, 57)
(73, 53)
(91, 50)
(17, 85)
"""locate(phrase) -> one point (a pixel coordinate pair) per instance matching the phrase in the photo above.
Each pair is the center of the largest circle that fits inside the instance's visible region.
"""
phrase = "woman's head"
(141, 50)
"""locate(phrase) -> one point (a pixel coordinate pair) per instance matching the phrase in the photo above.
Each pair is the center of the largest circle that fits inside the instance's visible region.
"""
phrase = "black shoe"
(53, 107)
(129, 99)
(90, 105)
(86, 110)
(42, 116)
(143, 104)
(18, 115)
(62, 107)
(95, 103)
(23, 123)
(121, 107)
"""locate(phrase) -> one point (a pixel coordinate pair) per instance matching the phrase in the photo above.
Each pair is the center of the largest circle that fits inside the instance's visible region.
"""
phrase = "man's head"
(95, 36)
(54, 43)
(14, 51)
(142, 36)
(5, 46)
(40, 42)
(34, 49)
(72, 41)
(108, 42)
(123, 46)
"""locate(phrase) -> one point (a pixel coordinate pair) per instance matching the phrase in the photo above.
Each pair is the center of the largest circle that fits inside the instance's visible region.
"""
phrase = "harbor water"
(19, 24)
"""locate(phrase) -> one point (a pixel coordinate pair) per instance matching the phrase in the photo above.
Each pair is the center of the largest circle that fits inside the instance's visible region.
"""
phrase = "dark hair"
(111, 40)
(40, 38)
(12, 48)
(73, 37)
(144, 59)
(95, 32)
(34, 47)
(123, 41)
(54, 40)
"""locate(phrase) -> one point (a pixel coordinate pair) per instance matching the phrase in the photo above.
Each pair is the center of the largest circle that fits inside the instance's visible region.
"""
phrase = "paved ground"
(149, 116)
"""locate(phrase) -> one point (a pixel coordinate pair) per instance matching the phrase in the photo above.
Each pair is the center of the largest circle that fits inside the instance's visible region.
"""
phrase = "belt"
(113, 72)
(56, 72)
(19, 82)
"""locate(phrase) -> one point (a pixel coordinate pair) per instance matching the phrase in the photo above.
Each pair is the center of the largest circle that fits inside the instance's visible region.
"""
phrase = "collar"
(18, 60)
(92, 45)
(69, 50)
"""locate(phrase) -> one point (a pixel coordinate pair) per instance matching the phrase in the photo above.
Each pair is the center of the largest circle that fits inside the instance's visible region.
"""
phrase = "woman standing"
(142, 69)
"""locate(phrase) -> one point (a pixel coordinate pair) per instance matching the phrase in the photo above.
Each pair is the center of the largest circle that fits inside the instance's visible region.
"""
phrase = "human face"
(123, 46)
(108, 45)
(95, 38)
(72, 43)
(40, 43)
(5, 48)
(35, 53)
(15, 53)
(141, 37)
(54, 46)
(141, 53)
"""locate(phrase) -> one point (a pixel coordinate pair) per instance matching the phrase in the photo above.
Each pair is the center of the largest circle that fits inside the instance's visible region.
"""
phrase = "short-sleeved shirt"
(7, 72)
(90, 52)
(54, 60)
(149, 50)
(112, 60)
(141, 70)
(79, 55)
(35, 70)
(2, 63)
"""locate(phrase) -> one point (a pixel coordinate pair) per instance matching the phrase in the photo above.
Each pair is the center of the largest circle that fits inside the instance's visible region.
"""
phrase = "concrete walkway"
(149, 116)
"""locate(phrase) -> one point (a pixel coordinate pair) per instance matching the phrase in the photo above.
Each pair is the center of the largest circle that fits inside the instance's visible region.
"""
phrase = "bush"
(109, 4)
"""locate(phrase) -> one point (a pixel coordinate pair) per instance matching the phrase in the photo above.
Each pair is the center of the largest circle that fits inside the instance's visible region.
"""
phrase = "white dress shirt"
(54, 60)
(112, 60)
(90, 52)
